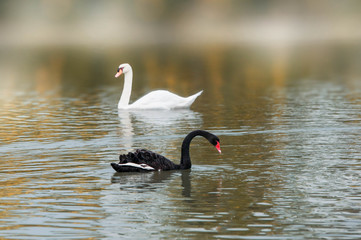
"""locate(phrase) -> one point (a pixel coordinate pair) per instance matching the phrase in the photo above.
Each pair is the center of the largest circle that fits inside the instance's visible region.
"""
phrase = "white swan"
(159, 99)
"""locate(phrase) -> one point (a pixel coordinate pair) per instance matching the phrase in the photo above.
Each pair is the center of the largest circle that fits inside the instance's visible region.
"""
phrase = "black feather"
(145, 160)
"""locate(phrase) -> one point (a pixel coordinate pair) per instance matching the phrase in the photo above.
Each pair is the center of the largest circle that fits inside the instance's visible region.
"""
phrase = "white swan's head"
(123, 68)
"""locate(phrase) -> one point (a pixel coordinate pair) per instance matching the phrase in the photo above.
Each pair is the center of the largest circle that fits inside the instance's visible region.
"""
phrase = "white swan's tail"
(191, 99)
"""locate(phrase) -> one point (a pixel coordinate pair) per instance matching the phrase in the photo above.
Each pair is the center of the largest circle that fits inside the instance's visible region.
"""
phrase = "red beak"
(218, 146)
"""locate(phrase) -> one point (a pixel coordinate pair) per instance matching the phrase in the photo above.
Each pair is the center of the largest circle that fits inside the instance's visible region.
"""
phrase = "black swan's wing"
(143, 160)
(131, 167)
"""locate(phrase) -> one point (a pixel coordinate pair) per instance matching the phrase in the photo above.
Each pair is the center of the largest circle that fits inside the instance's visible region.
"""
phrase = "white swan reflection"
(137, 124)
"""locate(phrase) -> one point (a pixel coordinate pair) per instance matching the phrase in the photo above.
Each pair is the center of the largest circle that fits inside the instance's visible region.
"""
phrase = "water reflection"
(316, 139)
(148, 123)
(150, 181)
(163, 118)
(126, 127)
(290, 158)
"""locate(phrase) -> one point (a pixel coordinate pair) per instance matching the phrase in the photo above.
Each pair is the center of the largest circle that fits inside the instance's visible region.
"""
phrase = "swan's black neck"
(185, 162)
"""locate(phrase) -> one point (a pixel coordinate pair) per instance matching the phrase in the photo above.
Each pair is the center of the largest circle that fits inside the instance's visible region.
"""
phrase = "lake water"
(289, 124)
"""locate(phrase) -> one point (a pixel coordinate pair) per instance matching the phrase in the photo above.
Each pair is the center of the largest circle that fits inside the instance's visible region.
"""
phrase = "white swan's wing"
(162, 99)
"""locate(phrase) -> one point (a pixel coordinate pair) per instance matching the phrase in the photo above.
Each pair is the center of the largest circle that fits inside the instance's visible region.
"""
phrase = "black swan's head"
(213, 139)
(123, 68)
(215, 142)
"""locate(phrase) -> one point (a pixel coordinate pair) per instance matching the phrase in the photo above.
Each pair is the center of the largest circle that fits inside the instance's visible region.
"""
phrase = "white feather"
(159, 99)
(141, 166)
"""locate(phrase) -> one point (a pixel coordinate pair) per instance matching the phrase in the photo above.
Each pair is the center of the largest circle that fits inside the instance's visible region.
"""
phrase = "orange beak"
(119, 73)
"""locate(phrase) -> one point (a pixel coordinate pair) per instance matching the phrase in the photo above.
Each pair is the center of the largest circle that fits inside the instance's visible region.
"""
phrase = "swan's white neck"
(127, 88)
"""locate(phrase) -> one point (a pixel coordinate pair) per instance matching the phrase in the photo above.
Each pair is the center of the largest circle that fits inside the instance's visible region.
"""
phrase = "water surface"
(290, 134)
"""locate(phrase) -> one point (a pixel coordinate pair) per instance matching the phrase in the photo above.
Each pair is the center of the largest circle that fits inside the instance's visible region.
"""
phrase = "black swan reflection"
(145, 160)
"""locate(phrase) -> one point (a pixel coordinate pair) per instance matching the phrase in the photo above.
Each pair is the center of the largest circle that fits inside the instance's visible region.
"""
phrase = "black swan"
(145, 160)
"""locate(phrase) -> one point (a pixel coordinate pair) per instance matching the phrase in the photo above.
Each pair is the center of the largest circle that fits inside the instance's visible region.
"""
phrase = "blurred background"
(197, 23)
(64, 46)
